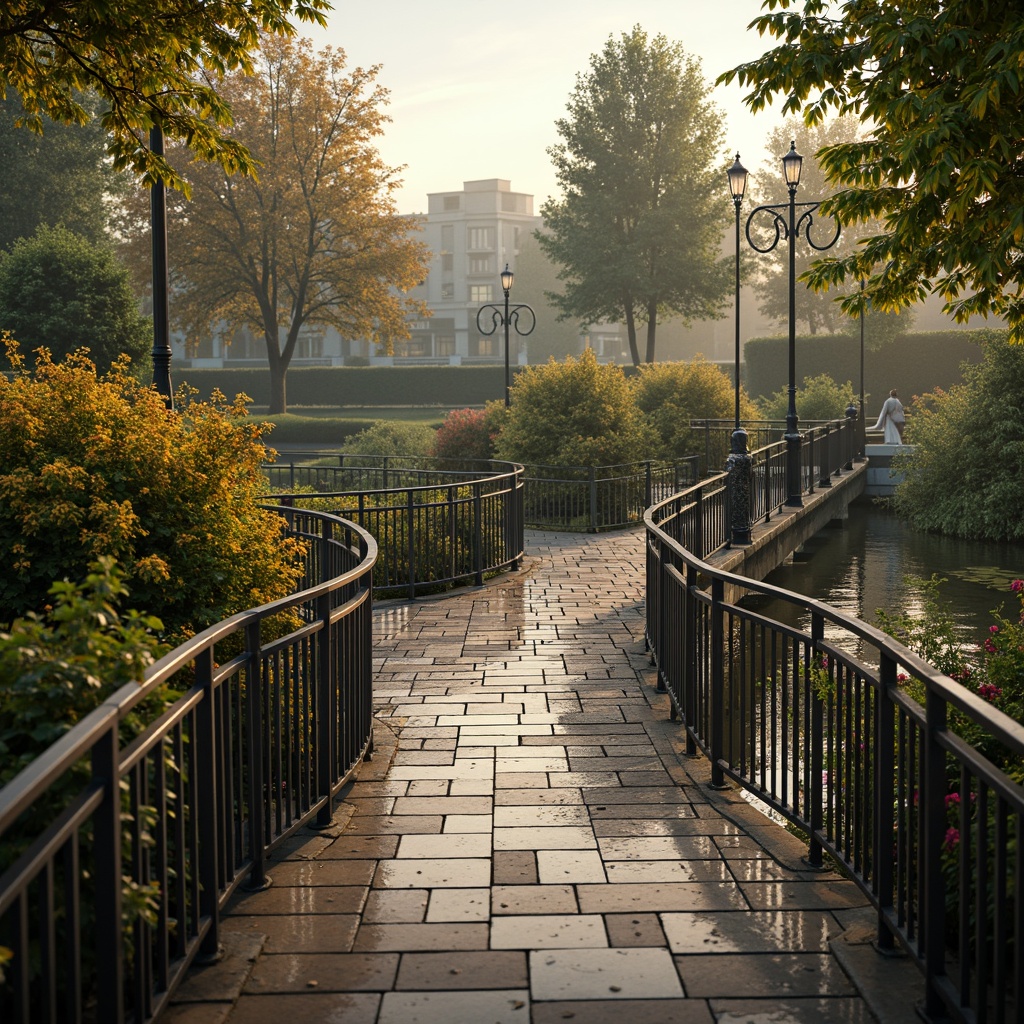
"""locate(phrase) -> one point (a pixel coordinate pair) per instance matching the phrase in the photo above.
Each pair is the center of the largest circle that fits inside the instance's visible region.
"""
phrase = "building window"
(481, 265)
(451, 203)
(309, 346)
(487, 346)
(481, 238)
(448, 290)
(444, 345)
(481, 293)
(447, 261)
(447, 237)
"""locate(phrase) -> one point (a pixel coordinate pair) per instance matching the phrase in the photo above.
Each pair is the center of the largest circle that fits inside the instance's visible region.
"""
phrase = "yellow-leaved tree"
(314, 239)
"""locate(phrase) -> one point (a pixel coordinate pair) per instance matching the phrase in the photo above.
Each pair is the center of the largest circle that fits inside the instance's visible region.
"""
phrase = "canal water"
(861, 565)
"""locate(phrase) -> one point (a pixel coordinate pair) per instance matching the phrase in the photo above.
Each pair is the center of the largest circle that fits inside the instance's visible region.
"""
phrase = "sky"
(476, 88)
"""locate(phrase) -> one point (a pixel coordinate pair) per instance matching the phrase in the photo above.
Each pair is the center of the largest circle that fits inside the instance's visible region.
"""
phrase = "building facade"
(472, 235)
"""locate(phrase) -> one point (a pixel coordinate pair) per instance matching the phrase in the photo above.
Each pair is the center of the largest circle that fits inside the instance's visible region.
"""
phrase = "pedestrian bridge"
(573, 808)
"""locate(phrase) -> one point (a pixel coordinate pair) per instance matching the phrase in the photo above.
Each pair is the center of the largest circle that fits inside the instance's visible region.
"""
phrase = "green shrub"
(93, 466)
(964, 474)
(819, 398)
(62, 291)
(392, 437)
(575, 413)
(670, 395)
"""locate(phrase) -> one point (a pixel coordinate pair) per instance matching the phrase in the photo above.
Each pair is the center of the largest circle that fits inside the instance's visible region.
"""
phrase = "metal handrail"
(929, 827)
(436, 525)
(265, 732)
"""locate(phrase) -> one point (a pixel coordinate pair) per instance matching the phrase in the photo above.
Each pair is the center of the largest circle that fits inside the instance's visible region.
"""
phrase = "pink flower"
(989, 646)
(901, 677)
(952, 840)
(989, 692)
(952, 798)
(1017, 586)
(993, 629)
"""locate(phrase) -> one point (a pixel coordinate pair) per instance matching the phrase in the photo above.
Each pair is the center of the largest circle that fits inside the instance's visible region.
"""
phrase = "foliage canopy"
(62, 291)
(938, 89)
(96, 466)
(638, 229)
(315, 241)
(153, 63)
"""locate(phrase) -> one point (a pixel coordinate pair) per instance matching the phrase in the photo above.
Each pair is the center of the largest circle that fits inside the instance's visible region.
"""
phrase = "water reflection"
(860, 566)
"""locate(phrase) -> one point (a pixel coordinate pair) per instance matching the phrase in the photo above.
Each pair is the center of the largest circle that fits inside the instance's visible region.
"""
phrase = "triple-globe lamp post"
(507, 317)
(789, 228)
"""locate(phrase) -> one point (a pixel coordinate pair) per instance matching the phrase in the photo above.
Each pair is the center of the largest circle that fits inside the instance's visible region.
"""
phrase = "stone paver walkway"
(530, 843)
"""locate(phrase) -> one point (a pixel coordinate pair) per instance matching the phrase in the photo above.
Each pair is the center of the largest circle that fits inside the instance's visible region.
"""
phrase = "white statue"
(891, 419)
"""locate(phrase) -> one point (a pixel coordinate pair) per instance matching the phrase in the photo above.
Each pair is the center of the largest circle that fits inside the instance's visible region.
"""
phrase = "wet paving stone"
(530, 843)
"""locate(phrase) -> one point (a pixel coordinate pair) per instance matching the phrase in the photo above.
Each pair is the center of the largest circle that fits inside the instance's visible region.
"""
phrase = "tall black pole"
(736, 202)
(508, 375)
(161, 328)
(793, 487)
(862, 430)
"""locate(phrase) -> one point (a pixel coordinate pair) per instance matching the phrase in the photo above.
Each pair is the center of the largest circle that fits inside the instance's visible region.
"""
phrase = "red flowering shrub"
(465, 434)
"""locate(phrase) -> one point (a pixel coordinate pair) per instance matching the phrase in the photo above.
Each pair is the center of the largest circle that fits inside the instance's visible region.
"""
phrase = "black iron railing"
(160, 821)
(862, 745)
(437, 522)
(589, 498)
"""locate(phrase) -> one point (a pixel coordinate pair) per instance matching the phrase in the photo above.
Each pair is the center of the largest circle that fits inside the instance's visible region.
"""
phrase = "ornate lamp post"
(158, 230)
(790, 230)
(507, 317)
(738, 463)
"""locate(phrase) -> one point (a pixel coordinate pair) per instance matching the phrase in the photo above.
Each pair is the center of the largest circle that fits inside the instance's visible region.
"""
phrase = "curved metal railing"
(167, 818)
(437, 522)
(818, 724)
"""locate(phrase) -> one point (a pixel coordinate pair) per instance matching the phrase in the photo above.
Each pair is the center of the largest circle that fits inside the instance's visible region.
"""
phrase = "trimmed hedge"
(447, 386)
(914, 364)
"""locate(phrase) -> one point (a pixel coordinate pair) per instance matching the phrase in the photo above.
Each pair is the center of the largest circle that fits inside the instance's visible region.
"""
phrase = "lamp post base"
(738, 466)
(794, 490)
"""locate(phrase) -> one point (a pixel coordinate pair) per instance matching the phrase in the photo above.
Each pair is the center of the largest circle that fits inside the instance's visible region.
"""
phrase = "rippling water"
(860, 566)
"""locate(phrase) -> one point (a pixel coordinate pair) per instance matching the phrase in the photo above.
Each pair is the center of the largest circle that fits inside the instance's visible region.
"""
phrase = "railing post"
(326, 688)
(258, 878)
(825, 477)
(108, 938)
(689, 694)
(934, 827)
(410, 543)
(717, 682)
(885, 795)
(206, 812)
(648, 489)
(593, 499)
(478, 533)
(698, 522)
(815, 798)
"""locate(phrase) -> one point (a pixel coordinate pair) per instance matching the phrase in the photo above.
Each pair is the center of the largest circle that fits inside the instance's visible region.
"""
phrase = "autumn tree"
(153, 63)
(638, 229)
(938, 90)
(315, 239)
(819, 310)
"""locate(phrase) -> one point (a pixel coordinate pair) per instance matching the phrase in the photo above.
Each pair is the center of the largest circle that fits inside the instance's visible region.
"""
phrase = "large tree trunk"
(634, 350)
(652, 328)
(278, 364)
